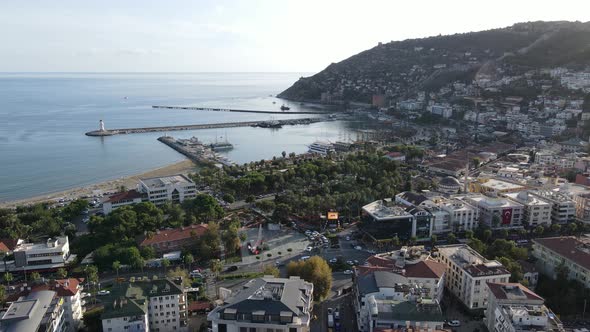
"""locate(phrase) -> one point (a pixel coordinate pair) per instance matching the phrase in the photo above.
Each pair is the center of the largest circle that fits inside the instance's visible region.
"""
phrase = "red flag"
(506, 216)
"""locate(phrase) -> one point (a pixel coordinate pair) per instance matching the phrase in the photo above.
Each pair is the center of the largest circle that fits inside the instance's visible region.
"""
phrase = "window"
(223, 328)
(243, 329)
(292, 329)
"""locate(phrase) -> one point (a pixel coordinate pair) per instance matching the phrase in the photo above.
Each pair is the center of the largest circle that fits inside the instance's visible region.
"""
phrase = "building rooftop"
(271, 296)
(50, 244)
(501, 185)
(471, 261)
(412, 197)
(570, 247)
(524, 197)
(386, 209)
(513, 291)
(412, 310)
(28, 313)
(493, 202)
(130, 298)
(167, 235)
(124, 196)
(161, 182)
(62, 287)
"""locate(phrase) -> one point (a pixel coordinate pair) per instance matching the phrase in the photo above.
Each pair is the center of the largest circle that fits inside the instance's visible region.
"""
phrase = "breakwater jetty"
(195, 150)
(190, 108)
(123, 131)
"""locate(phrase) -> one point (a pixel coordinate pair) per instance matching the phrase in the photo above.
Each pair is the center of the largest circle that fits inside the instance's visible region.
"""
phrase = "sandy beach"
(130, 182)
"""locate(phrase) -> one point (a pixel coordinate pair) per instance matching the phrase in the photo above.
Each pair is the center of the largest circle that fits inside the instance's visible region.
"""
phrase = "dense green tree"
(116, 266)
(61, 273)
(315, 270)
(270, 270)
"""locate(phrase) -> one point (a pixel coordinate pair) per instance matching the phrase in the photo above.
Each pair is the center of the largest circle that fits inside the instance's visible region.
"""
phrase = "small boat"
(285, 108)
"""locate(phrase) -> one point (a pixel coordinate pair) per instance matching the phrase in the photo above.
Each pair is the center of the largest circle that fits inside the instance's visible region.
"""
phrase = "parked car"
(103, 292)
(454, 323)
(330, 311)
(279, 263)
(333, 260)
(358, 248)
(309, 249)
(232, 268)
(304, 258)
(336, 314)
(348, 272)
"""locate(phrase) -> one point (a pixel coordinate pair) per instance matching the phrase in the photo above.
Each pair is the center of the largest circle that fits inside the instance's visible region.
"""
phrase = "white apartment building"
(497, 212)
(410, 266)
(266, 304)
(563, 208)
(68, 290)
(569, 251)
(38, 311)
(146, 305)
(52, 254)
(583, 207)
(514, 308)
(381, 302)
(468, 273)
(175, 188)
(464, 216)
(537, 211)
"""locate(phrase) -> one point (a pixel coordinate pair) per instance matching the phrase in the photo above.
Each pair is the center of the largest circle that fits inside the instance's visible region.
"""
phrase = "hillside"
(401, 67)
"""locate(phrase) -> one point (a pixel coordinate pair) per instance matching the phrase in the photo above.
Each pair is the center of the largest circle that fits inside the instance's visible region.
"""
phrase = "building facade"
(38, 311)
(266, 304)
(514, 308)
(146, 305)
(121, 199)
(167, 240)
(386, 219)
(537, 211)
(50, 255)
(175, 188)
(567, 252)
(468, 273)
(496, 212)
(563, 208)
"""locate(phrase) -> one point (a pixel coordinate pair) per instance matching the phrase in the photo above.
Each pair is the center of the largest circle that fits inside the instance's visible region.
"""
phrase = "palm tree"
(116, 267)
(8, 277)
(165, 264)
(188, 260)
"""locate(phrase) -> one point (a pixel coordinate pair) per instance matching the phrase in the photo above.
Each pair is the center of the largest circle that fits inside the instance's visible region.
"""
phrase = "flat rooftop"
(493, 202)
(496, 184)
(524, 197)
(386, 209)
(166, 181)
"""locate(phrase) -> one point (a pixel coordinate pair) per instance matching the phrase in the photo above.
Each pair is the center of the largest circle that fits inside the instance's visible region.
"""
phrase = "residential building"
(381, 302)
(395, 156)
(68, 290)
(468, 272)
(567, 251)
(537, 211)
(497, 212)
(573, 145)
(445, 111)
(514, 308)
(583, 207)
(145, 305)
(529, 273)
(121, 199)
(49, 255)
(266, 304)
(386, 219)
(464, 216)
(38, 311)
(563, 208)
(441, 219)
(167, 240)
(175, 188)
(412, 266)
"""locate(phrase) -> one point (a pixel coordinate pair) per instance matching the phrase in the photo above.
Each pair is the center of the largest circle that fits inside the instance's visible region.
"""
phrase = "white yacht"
(321, 147)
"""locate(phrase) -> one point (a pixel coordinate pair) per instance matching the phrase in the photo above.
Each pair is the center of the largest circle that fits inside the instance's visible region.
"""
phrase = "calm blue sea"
(43, 118)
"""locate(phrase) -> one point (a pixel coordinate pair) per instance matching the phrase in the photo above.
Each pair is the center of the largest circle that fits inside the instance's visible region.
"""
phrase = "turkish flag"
(506, 216)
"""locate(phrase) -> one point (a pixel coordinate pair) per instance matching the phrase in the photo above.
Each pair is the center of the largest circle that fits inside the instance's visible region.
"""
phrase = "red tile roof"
(569, 247)
(124, 196)
(168, 235)
(7, 245)
(199, 305)
(63, 288)
(502, 291)
(425, 269)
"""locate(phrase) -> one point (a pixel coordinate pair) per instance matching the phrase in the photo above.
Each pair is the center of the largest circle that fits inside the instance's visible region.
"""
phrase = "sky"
(238, 35)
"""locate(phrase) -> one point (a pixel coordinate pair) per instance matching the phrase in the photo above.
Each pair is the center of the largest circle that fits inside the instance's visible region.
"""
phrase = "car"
(279, 263)
(336, 314)
(330, 311)
(347, 238)
(358, 248)
(348, 272)
(372, 251)
(196, 275)
(85, 220)
(232, 268)
(333, 260)
(103, 292)
(304, 258)
(454, 323)
(308, 249)
(350, 262)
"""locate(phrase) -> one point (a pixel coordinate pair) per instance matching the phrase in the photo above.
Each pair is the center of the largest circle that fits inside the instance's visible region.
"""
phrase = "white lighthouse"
(101, 125)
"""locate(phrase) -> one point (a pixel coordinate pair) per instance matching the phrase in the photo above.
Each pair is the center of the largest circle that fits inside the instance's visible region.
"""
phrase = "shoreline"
(130, 182)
